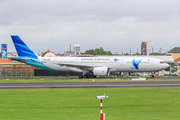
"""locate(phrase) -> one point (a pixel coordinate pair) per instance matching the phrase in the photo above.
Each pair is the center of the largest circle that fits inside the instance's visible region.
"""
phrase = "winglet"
(22, 49)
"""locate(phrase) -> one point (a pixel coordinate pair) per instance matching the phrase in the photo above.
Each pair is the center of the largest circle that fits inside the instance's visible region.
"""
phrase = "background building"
(3, 50)
(48, 53)
(143, 48)
(175, 52)
(69, 53)
(8, 68)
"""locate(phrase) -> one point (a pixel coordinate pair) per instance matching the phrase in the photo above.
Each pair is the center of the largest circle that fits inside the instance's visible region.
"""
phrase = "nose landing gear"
(152, 75)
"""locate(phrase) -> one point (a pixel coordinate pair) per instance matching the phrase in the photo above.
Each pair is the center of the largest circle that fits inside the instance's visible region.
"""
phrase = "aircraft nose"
(167, 65)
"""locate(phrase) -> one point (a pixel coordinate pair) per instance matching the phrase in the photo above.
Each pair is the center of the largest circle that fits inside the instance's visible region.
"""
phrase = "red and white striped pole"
(102, 115)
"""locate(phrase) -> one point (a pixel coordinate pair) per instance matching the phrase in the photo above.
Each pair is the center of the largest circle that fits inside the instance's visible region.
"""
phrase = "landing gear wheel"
(93, 76)
(85, 76)
(80, 77)
(88, 76)
(152, 76)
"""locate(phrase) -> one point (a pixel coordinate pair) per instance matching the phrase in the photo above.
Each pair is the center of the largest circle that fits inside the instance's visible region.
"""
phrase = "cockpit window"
(162, 62)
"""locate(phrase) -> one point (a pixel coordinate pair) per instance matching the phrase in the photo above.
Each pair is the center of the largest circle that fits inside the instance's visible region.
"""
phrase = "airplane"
(90, 67)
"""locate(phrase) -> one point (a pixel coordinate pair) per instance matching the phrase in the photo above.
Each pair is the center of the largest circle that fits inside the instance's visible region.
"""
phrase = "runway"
(115, 84)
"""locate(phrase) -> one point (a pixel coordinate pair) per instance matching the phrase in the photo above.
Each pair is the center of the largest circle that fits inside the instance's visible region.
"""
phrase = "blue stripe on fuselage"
(34, 62)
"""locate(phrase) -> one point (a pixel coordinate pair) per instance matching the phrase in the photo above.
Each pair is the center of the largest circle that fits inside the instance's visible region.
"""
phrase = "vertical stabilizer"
(22, 49)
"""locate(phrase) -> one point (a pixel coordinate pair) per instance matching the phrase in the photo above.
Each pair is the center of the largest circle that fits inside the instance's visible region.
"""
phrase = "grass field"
(81, 104)
(60, 80)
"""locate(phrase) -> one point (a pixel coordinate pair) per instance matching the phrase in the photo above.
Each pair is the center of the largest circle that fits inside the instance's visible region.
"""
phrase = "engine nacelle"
(101, 71)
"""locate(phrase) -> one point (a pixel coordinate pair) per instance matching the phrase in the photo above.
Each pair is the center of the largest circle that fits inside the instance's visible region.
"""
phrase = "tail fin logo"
(115, 60)
(135, 64)
(22, 49)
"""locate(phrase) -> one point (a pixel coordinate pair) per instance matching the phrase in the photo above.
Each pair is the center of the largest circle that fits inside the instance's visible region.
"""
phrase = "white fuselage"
(96, 66)
(116, 64)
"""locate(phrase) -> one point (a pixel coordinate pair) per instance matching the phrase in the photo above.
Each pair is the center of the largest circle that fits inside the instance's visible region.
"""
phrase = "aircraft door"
(77, 61)
(152, 62)
(121, 62)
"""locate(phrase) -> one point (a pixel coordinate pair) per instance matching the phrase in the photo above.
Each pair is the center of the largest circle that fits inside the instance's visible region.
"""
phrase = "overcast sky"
(115, 25)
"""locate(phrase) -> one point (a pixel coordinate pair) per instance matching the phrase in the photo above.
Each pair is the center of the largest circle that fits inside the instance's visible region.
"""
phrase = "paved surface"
(115, 84)
(76, 77)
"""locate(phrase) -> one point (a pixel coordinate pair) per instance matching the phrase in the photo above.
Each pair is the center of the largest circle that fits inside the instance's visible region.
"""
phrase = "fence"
(16, 69)
(21, 69)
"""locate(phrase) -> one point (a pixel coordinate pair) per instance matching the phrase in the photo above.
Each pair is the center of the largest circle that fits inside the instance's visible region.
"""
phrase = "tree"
(137, 53)
(98, 51)
(126, 54)
(91, 51)
(157, 53)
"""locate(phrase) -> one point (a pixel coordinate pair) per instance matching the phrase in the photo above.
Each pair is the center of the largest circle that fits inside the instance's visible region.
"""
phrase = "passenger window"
(162, 62)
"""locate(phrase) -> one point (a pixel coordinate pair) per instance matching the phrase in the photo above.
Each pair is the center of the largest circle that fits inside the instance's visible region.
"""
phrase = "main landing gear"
(87, 76)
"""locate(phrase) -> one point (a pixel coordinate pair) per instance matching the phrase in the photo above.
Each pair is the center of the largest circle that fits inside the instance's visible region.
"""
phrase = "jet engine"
(101, 71)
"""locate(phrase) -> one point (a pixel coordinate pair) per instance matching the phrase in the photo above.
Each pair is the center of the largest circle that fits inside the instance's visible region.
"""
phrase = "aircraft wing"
(80, 66)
